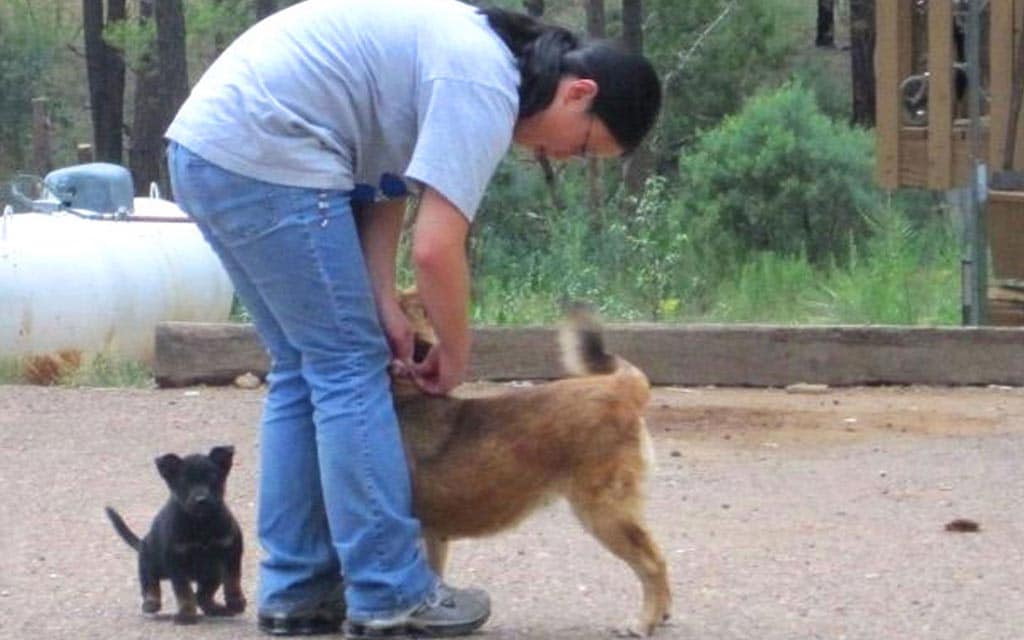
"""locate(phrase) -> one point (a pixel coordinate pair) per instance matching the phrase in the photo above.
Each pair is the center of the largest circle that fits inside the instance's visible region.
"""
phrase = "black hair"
(629, 92)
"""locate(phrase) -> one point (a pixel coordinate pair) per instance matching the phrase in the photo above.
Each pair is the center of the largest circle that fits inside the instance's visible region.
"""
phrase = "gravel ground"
(783, 516)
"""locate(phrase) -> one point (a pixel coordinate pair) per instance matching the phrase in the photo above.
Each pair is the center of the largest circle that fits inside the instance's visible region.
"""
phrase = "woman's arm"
(442, 280)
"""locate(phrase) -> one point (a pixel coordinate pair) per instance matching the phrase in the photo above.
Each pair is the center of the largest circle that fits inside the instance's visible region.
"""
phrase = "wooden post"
(887, 103)
(940, 95)
(42, 160)
(84, 152)
(1001, 36)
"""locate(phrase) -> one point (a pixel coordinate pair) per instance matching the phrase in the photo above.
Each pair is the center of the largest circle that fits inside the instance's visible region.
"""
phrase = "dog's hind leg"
(437, 552)
(613, 514)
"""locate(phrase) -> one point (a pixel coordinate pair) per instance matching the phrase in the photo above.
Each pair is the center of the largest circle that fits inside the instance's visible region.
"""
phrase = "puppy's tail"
(584, 354)
(122, 529)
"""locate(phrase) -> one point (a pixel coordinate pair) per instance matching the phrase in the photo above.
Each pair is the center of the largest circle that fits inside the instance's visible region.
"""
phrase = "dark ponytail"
(629, 92)
(539, 49)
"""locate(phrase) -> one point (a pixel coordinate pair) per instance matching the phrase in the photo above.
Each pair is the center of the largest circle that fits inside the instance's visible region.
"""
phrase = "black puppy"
(193, 538)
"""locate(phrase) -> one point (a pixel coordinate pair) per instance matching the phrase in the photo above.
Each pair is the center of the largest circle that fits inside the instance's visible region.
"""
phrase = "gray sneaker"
(445, 612)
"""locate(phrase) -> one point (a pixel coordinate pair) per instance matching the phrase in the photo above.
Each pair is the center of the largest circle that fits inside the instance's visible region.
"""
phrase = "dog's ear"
(222, 457)
(412, 306)
(169, 466)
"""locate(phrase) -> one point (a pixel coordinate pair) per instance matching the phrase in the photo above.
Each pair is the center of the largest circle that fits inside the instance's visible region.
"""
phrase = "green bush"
(781, 176)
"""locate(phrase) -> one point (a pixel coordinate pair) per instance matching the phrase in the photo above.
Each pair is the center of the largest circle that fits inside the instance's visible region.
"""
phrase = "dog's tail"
(584, 354)
(122, 529)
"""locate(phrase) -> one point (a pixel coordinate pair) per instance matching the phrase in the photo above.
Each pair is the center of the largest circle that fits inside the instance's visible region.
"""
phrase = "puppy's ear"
(169, 466)
(222, 457)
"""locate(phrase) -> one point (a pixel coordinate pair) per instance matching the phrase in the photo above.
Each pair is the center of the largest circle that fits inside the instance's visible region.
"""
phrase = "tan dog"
(481, 465)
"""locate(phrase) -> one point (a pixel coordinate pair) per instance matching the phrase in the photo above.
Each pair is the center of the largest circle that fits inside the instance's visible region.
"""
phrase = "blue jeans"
(334, 490)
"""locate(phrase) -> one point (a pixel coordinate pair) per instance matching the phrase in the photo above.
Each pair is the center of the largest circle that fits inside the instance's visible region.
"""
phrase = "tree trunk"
(536, 9)
(106, 77)
(173, 68)
(145, 155)
(862, 65)
(171, 63)
(264, 8)
(633, 25)
(596, 28)
(639, 165)
(596, 23)
(826, 32)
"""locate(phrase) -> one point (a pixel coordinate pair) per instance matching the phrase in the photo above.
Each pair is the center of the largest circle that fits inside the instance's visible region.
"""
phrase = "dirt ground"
(782, 515)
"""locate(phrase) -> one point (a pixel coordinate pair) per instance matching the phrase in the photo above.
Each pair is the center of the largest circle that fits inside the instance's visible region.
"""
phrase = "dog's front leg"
(437, 552)
(233, 596)
(208, 586)
(150, 583)
(187, 606)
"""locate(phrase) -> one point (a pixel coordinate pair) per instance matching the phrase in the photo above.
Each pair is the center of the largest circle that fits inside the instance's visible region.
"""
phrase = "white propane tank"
(101, 286)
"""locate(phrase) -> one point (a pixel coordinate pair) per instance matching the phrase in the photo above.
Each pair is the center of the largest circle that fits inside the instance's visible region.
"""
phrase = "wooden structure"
(190, 353)
(930, 148)
(934, 154)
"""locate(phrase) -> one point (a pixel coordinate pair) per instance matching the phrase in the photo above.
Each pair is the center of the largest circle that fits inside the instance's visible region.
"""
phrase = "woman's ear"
(580, 91)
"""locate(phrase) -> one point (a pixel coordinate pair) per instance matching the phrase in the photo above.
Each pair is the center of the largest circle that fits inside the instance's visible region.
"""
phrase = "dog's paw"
(639, 629)
(183, 617)
(150, 606)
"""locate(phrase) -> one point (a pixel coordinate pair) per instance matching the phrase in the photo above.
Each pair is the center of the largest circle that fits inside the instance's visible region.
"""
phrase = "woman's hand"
(441, 370)
(397, 330)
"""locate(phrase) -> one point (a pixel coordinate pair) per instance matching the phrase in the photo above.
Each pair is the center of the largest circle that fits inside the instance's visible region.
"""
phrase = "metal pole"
(975, 262)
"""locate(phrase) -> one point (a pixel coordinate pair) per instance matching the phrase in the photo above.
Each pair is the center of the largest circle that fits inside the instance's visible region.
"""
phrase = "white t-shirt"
(357, 95)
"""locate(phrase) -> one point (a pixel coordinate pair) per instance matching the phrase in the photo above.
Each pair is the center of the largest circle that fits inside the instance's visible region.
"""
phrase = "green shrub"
(781, 176)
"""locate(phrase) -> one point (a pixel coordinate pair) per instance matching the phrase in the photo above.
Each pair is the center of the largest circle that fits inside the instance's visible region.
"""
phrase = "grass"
(906, 273)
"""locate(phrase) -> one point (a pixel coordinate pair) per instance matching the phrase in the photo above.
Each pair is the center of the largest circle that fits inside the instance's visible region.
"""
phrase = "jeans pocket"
(257, 209)
(240, 224)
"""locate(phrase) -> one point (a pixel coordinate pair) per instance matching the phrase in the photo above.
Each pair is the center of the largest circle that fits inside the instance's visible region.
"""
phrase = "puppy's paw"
(235, 605)
(149, 605)
(185, 617)
(215, 610)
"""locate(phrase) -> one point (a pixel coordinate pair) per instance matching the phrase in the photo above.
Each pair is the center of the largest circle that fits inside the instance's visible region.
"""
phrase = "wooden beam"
(914, 155)
(735, 355)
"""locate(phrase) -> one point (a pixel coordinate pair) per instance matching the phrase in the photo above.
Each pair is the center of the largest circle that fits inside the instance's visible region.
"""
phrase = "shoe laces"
(442, 596)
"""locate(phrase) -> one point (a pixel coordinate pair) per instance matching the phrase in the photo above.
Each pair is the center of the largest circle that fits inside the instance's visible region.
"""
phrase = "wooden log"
(732, 355)
(189, 353)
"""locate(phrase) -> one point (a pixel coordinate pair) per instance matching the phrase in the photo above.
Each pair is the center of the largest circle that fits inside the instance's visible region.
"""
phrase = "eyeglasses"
(584, 151)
